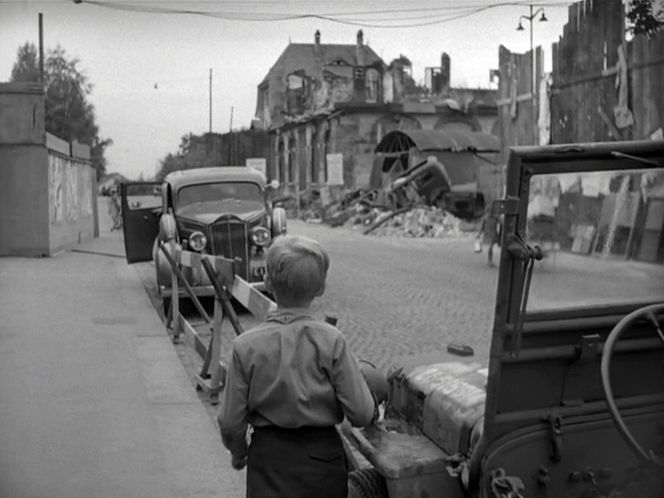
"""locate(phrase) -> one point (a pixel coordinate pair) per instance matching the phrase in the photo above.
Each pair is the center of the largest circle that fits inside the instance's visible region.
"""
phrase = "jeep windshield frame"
(534, 354)
(525, 163)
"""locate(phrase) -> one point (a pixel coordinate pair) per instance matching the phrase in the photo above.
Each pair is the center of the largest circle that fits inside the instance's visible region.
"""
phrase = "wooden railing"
(220, 272)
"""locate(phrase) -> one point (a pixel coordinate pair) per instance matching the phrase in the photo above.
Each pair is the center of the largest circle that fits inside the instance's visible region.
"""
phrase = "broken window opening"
(372, 86)
(297, 88)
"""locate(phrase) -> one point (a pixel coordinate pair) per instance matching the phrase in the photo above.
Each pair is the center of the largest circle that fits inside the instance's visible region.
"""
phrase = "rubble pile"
(419, 222)
(360, 210)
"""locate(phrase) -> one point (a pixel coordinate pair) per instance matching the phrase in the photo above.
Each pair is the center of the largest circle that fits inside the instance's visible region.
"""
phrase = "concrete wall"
(46, 196)
(23, 172)
(71, 195)
(233, 149)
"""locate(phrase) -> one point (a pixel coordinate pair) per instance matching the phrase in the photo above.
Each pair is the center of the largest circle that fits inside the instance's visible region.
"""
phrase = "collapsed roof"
(401, 141)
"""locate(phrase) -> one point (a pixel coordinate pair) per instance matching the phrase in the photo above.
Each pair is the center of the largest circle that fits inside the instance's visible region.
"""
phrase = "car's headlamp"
(197, 241)
(260, 236)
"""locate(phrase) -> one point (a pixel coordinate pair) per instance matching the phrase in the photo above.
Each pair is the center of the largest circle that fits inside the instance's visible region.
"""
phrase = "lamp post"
(530, 19)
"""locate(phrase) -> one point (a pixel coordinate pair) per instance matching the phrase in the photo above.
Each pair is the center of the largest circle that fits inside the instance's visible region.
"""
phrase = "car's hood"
(209, 218)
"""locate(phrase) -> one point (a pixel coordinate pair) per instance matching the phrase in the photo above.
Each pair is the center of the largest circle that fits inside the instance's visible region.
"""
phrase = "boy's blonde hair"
(296, 268)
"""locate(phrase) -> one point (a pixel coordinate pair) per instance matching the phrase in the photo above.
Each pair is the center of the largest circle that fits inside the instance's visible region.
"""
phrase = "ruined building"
(322, 101)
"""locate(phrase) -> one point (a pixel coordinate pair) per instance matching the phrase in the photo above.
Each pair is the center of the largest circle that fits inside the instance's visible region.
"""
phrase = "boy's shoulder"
(321, 326)
(255, 333)
(269, 328)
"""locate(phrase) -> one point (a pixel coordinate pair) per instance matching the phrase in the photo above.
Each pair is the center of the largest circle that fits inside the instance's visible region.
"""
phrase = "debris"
(369, 211)
(421, 222)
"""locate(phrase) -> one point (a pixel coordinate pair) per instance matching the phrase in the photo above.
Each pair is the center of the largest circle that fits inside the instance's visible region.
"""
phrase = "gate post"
(216, 380)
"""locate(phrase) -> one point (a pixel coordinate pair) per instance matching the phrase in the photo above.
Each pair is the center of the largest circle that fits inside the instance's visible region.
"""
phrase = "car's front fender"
(278, 222)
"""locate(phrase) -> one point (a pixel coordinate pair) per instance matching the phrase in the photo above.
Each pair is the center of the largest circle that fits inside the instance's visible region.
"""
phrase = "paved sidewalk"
(94, 401)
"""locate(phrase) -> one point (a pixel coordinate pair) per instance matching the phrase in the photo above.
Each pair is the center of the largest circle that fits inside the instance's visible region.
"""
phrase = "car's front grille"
(230, 238)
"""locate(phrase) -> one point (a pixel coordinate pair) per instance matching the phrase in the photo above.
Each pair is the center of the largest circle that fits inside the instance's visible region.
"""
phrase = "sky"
(151, 70)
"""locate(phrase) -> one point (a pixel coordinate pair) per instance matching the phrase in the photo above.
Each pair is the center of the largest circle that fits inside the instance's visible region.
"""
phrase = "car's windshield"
(227, 197)
(601, 234)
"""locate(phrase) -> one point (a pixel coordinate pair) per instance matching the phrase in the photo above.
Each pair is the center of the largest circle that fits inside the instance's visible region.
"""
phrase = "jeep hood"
(442, 396)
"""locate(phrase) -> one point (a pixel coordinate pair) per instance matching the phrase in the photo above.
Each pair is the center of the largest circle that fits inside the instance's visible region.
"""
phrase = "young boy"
(292, 379)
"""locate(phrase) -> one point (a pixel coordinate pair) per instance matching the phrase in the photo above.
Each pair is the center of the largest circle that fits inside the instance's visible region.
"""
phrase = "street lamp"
(530, 19)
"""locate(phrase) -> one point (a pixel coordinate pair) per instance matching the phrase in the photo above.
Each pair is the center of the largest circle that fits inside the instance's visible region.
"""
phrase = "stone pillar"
(285, 140)
(308, 153)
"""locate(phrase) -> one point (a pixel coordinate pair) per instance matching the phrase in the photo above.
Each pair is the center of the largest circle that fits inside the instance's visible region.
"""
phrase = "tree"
(26, 67)
(644, 18)
(69, 114)
(190, 154)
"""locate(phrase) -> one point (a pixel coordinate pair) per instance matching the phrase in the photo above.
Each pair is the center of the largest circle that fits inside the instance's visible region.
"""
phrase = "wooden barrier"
(220, 272)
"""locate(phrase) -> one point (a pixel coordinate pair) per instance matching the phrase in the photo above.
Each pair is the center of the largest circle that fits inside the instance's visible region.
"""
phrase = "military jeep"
(571, 403)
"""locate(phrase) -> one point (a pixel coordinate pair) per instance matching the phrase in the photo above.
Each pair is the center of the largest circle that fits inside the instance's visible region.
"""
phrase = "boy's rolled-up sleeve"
(232, 415)
(350, 386)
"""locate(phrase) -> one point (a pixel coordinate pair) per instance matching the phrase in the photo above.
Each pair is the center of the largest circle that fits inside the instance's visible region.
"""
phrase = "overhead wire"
(374, 18)
(280, 3)
(427, 18)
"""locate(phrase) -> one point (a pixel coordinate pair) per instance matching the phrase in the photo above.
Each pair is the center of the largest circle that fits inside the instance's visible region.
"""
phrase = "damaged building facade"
(333, 103)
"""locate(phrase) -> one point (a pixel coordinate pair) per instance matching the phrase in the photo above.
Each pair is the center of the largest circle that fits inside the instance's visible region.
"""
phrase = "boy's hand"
(376, 381)
(238, 463)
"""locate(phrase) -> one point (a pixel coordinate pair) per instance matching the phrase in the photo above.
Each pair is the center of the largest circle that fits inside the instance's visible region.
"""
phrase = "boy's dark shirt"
(291, 371)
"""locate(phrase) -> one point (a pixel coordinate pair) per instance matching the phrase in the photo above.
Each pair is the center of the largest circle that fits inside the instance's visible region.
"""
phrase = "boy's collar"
(288, 315)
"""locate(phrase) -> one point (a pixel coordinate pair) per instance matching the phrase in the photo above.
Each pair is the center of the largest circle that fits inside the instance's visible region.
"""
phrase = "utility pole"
(210, 100)
(533, 82)
(230, 139)
(41, 48)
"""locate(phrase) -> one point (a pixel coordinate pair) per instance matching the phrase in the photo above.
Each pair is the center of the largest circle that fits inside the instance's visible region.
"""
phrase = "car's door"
(141, 209)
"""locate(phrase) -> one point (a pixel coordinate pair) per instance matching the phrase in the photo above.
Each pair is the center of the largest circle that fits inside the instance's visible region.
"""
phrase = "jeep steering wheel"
(649, 312)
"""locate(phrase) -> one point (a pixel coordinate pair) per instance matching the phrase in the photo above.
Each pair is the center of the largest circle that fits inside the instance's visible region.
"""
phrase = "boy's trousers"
(296, 463)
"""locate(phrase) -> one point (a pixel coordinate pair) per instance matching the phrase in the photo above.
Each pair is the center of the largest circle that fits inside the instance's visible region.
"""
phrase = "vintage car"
(571, 403)
(223, 210)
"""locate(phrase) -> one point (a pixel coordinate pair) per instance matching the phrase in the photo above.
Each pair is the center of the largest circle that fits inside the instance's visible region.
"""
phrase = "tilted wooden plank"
(190, 259)
(251, 298)
(192, 335)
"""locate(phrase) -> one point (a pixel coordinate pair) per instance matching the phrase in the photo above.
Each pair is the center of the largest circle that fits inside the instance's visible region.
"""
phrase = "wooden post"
(621, 198)
(213, 383)
(218, 376)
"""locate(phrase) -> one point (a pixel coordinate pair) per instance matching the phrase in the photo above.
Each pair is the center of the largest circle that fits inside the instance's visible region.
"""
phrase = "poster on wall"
(86, 190)
(335, 169)
(55, 187)
(258, 163)
(71, 192)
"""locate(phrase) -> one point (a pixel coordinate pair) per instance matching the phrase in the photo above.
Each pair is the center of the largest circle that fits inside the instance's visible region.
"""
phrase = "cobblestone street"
(397, 297)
